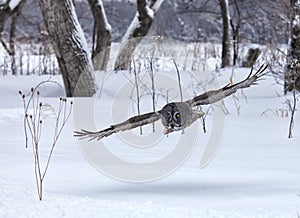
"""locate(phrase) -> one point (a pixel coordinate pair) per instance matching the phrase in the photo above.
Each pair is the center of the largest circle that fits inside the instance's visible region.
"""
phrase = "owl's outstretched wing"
(217, 95)
(131, 123)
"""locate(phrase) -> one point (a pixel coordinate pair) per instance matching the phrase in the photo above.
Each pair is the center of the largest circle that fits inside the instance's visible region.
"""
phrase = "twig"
(179, 82)
(26, 106)
(65, 119)
(293, 109)
(153, 92)
(33, 123)
(136, 84)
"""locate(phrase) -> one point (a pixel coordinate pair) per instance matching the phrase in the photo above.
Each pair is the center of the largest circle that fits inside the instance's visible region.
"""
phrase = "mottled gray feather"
(131, 123)
(203, 99)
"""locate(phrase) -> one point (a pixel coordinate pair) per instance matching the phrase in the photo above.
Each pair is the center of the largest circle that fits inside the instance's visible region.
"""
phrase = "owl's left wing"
(217, 95)
(131, 123)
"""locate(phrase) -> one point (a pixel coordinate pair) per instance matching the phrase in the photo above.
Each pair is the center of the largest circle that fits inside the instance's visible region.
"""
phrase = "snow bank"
(13, 4)
(254, 174)
(18, 201)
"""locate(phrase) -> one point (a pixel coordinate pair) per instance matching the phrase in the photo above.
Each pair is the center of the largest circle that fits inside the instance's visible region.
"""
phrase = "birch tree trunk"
(292, 73)
(101, 35)
(235, 28)
(226, 34)
(70, 47)
(139, 27)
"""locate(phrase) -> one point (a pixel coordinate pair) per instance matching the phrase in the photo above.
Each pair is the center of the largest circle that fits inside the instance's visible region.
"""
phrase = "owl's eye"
(177, 115)
(169, 114)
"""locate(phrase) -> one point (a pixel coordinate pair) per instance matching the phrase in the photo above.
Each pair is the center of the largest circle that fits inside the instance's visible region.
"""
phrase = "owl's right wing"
(131, 123)
(217, 95)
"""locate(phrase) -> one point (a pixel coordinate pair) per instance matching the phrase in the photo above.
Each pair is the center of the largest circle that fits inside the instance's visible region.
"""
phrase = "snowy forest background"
(191, 21)
(257, 22)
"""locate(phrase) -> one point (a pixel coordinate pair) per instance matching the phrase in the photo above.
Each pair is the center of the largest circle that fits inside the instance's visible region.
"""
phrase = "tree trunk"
(235, 28)
(5, 13)
(101, 35)
(226, 38)
(70, 47)
(235, 40)
(138, 28)
(14, 13)
(292, 73)
(253, 54)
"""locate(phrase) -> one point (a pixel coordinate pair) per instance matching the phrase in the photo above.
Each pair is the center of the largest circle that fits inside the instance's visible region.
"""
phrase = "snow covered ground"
(256, 172)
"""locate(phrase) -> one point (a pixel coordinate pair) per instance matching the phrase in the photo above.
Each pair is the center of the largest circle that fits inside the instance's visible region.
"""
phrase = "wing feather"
(148, 118)
(217, 95)
(131, 123)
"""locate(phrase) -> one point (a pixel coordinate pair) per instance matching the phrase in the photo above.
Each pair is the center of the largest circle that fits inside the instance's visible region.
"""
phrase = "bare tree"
(292, 74)
(226, 33)
(235, 28)
(6, 11)
(208, 7)
(140, 26)
(70, 47)
(101, 35)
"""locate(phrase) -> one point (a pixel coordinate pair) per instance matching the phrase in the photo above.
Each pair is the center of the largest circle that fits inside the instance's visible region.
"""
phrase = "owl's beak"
(172, 124)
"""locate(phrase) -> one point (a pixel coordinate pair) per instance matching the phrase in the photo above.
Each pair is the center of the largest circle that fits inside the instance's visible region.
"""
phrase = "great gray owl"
(176, 116)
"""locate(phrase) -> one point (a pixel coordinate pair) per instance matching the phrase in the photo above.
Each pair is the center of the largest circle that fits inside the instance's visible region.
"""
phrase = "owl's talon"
(167, 131)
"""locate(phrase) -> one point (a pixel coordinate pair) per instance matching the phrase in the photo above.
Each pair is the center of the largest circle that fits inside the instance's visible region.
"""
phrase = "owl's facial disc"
(174, 121)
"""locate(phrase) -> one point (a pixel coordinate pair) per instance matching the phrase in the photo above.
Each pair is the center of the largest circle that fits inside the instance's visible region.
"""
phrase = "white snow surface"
(150, 11)
(107, 25)
(13, 4)
(256, 173)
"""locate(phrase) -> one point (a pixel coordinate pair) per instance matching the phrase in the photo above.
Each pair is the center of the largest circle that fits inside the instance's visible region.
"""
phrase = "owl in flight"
(176, 116)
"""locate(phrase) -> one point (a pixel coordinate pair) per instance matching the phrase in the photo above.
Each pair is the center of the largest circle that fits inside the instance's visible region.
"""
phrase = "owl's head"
(174, 115)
